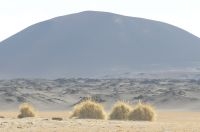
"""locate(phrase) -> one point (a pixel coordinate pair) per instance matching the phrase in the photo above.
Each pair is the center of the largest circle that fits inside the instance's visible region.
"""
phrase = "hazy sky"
(16, 15)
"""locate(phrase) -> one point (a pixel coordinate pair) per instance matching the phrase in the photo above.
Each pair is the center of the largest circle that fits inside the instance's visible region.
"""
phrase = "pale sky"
(16, 15)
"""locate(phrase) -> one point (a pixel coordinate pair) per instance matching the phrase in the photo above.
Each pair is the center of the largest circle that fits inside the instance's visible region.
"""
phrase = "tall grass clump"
(26, 110)
(120, 111)
(89, 109)
(142, 112)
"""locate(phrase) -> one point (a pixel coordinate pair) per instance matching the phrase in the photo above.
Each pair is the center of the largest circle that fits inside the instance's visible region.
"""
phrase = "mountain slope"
(90, 43)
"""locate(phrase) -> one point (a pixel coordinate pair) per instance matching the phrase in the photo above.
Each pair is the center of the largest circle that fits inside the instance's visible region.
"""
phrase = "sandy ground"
(167, 121)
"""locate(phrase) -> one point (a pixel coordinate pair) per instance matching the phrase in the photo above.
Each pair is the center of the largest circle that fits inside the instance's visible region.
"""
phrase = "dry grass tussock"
(120, 111)
(142, 112)
(89, 110)
(26, 110)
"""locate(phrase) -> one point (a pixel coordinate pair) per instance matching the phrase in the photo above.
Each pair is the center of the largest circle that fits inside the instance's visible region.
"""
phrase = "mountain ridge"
(94, 43)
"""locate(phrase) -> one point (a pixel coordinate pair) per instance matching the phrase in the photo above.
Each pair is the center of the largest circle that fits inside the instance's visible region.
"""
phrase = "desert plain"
(177, 102)
(167, 121)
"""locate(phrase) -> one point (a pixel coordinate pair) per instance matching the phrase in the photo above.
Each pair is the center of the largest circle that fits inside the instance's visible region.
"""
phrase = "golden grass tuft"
(142, 112)
(120, 111)
(26, 110)
(89, 110)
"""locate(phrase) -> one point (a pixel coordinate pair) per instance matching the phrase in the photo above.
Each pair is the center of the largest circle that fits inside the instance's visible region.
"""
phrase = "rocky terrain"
(61, 94)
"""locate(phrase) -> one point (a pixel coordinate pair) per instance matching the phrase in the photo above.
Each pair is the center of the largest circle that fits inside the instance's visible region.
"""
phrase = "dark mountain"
(92, 44)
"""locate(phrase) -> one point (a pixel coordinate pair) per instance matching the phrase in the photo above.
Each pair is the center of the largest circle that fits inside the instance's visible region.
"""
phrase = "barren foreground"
(167, 121)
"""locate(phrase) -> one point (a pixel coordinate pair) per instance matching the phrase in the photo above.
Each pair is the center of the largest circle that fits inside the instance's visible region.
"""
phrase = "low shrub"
(89, 109)
(120, 111)
(142, 112)
(26, 110)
